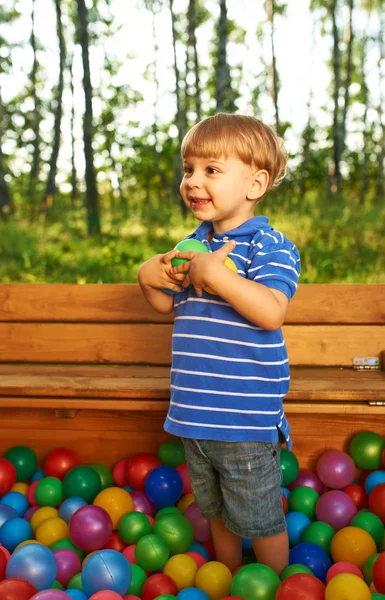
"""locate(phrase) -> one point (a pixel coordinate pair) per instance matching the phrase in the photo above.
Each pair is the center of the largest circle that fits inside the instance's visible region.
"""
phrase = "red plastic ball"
(58, 462)
(210, 548)
(119, 472)
(3, 565)
(198, 557)
(284, 503)
(7, 476)
(138, 467)
(301, 586)
(357, 494)
(16, 589)
(157, 585)
(376, 501)
(115, 543)
(183, 472)
(378, 573)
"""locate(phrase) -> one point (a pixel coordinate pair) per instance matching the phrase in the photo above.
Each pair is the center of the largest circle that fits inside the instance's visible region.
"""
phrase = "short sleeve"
(276, 265)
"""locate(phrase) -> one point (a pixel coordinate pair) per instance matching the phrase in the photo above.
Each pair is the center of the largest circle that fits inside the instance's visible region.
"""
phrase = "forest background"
(96, 95)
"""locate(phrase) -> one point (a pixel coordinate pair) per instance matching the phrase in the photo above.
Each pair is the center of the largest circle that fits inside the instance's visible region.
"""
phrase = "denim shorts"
(240, 482)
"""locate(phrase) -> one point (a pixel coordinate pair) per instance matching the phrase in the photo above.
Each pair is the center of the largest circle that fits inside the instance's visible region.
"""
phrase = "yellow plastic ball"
(182, 569)
(215, 579)
(28, 542)
(185, 502)
(51, 531)
(231, 265)
(372, 588)
(347, 585)
(46, 512)
(87, 557)
(116, 502)
(20, 487)
(353, 544)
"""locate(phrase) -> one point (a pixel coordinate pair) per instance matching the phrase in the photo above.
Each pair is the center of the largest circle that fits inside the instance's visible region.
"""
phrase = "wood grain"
(124, 303)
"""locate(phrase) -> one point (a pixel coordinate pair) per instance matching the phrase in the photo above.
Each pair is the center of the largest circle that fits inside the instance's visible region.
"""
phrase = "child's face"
(219, 190)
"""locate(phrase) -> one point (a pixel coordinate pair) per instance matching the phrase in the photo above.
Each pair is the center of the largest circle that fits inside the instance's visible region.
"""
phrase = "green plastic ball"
(377, 596)
(176, 531)
(133, 526)
(57, 586)
(166, 597)
(24, 460)
(75, 583)
(294, 569)
(105, 475)
(371, 523)
(367, 570)
(304, 499)
(151, 552)
(49, 492)
(319, 533)
(82, 482)
(189, 245)
(289, 467)
(168, 510)
(255, 582)
(66, 543)
(138, 578)
(171, 453)
(366, 450)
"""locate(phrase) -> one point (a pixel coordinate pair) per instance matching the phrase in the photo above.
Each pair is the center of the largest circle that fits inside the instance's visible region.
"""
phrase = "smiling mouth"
(199, 202)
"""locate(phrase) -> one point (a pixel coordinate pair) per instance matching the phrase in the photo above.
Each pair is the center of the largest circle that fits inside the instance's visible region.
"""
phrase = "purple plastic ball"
(142, 503)
(28, 513)
(50, 595)
(335, 469)
(336, 508)
(200, 525)
(68, 565)
(90, 528)
(308, 478)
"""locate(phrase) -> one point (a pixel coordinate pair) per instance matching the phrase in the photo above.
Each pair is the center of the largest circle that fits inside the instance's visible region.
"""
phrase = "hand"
(203, 268)
(155, 273)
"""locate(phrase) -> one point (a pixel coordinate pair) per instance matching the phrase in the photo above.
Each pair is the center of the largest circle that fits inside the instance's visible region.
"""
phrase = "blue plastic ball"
(70, 506)
(197, 547)
(17, 501)
(192, 593)
(15, 531)
(312, 556)
(374, 479)
(6, 512)
(35, 563)
(296, 522)
(106, 570)
(163, 486)
(38, 475)
(76, 594)
(247, 544)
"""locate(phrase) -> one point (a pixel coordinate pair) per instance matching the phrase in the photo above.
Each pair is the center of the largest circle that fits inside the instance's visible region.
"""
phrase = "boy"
(230, 369)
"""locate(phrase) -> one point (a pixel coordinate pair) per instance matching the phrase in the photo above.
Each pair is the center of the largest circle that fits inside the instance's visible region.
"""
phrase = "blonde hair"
(253, 142)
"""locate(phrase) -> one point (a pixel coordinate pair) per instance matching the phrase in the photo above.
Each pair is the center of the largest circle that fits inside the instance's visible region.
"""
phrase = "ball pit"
(57, 523)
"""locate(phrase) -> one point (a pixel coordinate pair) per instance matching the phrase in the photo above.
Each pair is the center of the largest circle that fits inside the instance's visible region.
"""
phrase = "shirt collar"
(250, 227)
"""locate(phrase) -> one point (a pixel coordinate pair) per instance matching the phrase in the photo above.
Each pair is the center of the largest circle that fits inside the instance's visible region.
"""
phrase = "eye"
(212, 170)
(187, 170)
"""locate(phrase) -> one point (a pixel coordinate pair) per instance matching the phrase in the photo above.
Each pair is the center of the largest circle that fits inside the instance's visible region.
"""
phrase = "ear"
(260, 181)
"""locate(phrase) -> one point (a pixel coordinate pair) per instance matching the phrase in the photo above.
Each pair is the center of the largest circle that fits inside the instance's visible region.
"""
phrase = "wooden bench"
(88, 367)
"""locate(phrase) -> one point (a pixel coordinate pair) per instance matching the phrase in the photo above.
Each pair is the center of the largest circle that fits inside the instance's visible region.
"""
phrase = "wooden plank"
(124, 303)
(312, 345)
(140, 388)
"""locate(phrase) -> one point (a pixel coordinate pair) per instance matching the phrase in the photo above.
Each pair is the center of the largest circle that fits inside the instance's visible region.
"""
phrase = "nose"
(194, 180)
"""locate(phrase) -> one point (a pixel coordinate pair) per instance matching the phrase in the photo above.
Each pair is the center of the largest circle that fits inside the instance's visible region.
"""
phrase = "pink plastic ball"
(142, 503)
(335, 508)
(343, 567)
(31, 494)
(68, 565)
(308, 478)
(90, 528)
(335, 469)
(200, 525)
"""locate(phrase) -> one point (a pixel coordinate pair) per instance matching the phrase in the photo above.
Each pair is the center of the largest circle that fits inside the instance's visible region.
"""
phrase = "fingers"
(167, 258)
(198, 290)
(183, 268)
(226, 249)
(187, 255)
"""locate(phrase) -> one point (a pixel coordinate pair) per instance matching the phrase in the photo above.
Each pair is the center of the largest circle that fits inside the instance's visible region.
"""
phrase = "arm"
(263, 306)
(153, 275)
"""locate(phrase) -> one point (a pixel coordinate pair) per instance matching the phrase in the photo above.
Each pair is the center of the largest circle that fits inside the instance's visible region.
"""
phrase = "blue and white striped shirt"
(228, 376)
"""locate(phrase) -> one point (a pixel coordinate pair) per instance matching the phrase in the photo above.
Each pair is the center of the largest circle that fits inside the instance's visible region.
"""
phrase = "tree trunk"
(51, 185)
(74, 176)
(192, 54)
(35, 98)
(270, 6)
(337, 130)
(348, 74)
(92, 197)
(365, 133)
(380, 187)
(222, 71)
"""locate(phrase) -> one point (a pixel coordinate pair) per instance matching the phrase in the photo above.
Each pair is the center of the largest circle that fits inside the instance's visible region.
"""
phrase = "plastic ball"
(138, 578)
(296, 523)
(53, 594)
(106, 570)
(357, 494)
(378, 573)
(115, 543)
(255, 582)
(69, 508)
(133, 526)
(199, 558)
(313, 556)
(347, 585)
(304, 499)
(42, 514)
(185, 502)
(7, 512)
(116, 502)
(369, 522)
(172, 453)
(59, 462)
(68, 564)
(75, 594)
(343, 567)
(142, 503)
(336, 508)
(119, 472)
(7, 476)
(308, 478)
(106, 595)
(49, 491)
(158, 585)
(215, 579)
(366, 450)
(35, 563)
(39, 474)
(188, 245)
(301, 587)
(51, 530)
(319, 533)
(152, 552)
(66, 543)
(24, 460)
(353, 545)
(376, 501)
(13, 532)
(192, 593)
(183, 472)
(294, 569)
(163, 486)
(21, 487)
(373, 479)
(176, 531)
(82, 482)
(138, 467)
(105, 474)
(90, 528)
(182, 569)
(200, 525)
(17, 501)
(16, 589)
(289, 466)
(335, 469)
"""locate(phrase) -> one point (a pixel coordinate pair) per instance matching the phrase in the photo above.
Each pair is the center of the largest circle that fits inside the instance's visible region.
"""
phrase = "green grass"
(336, 245)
